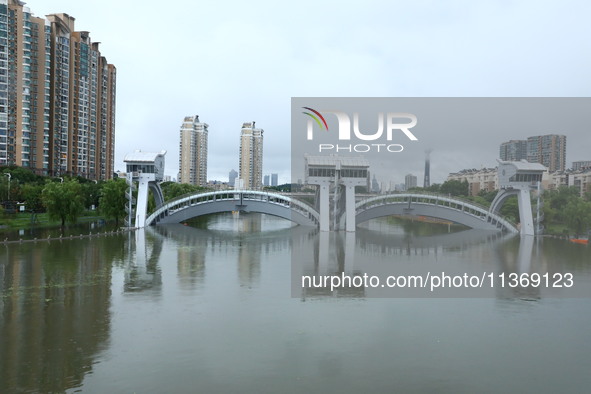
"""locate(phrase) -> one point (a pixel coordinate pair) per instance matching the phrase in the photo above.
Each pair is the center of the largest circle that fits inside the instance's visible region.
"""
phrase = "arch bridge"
(451, 209)
(329, 172)
(189, 206)
(436, 206)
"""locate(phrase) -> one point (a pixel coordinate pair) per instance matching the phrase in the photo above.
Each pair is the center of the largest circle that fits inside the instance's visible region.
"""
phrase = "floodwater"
(218, 307)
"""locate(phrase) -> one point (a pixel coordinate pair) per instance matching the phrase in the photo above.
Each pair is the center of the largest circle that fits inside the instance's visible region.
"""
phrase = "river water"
(214, 307)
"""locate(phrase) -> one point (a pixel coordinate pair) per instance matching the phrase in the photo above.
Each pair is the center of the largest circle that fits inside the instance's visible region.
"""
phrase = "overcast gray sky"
(232, 62)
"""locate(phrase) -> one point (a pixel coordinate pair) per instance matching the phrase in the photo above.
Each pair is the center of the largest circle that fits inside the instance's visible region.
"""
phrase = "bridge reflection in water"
(73, 312)
(381, 254)
(472, 252)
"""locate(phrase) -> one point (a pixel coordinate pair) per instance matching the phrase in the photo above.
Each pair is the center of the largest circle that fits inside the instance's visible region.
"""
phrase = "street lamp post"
(9, 177)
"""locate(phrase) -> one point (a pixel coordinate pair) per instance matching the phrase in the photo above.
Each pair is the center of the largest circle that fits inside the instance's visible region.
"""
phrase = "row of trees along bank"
(65, 199)
(565, 211)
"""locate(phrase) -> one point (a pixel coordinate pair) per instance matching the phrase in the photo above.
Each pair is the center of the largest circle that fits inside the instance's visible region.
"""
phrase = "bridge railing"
(449, 196)
(192, 199)
(172, 200)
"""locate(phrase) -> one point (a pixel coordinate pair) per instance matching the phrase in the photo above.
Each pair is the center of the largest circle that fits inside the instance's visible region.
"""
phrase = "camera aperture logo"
(392, 122)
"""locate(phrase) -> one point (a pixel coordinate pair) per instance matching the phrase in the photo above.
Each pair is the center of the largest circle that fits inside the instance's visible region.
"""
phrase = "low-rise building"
(581, 165)
(487, 179)
(483, 179)
(581, 179)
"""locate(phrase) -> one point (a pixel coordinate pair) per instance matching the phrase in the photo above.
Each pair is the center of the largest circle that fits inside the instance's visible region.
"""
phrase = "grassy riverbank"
(27, 220)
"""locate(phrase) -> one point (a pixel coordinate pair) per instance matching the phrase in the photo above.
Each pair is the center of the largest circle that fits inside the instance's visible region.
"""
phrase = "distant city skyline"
(270, 180)
(453, 130)
(443, 50)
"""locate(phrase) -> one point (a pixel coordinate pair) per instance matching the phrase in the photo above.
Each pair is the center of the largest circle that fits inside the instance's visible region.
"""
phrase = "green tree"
(488, 196)
(434, 188)
(550, 213)
(21, 175)
(454, 188)
(480, 200)
(92, 193)
(173, 189)
(510, 209)
(4, 193)
(112, 199)
(63, 201)
(32, 193)
(578, 216)
(555, 203)
(561, 197)
(287, 187)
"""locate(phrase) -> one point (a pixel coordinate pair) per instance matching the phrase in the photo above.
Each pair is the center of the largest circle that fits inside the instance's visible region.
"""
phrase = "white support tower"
(342, 174)
(517, 178)
(147, 169)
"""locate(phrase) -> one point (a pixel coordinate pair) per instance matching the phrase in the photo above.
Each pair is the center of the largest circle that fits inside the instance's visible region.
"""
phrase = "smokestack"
(427, 179)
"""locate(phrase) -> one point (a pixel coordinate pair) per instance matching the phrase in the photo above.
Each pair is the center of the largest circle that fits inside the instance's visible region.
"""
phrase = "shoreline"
(69, 237)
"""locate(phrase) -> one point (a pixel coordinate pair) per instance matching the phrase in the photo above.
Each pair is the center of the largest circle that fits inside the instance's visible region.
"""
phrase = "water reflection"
(502, 263)
(142, 270)
(249, 238)
(96, 313)
(380, 249)
(54, 311)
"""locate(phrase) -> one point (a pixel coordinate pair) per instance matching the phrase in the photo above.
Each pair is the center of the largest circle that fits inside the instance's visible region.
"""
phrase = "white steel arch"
(452, 209)
(193, 205)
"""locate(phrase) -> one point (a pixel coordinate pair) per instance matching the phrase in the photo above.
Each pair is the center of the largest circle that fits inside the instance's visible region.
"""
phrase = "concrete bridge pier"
(144, 181)
(323, 252)
(350, 240)
(324, 205)
(525, 213)
(338, 172)
(526, 247)
(146, 168)
(350, 208)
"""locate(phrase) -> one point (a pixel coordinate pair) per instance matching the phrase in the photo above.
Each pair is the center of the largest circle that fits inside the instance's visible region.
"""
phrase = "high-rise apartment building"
(548, 150)
(410, 181)
(274, 179)
(514, 150)
(251, 156)
(57, 96)
(193, 151)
